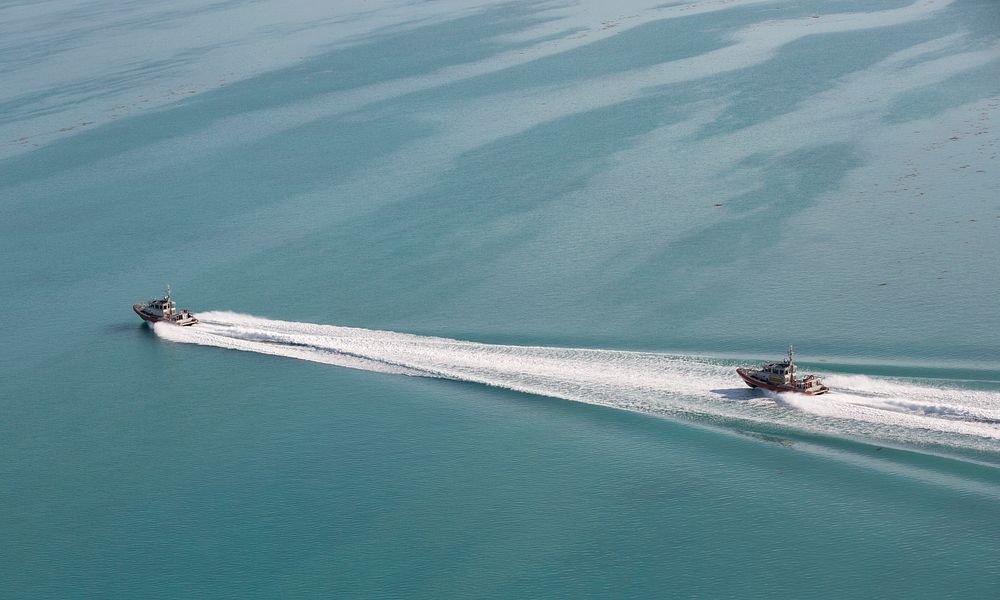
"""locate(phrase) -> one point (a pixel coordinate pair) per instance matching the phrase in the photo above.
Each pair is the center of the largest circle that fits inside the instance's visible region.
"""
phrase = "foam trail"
(862, 406)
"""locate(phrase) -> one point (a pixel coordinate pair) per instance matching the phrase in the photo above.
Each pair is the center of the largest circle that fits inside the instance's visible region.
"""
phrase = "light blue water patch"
(981, 83)
(656, 42)
(384, 57)
(190, 197)
(803, 69)
(455, 229)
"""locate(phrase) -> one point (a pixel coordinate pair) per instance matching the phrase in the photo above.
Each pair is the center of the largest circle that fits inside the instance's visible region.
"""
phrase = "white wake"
(860, 406)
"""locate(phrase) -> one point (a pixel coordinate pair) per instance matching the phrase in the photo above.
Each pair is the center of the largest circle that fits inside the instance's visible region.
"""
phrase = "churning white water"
(683, 386)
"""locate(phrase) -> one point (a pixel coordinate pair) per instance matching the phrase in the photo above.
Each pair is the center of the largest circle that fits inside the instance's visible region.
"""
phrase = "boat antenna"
(168, 290)
(791, 352)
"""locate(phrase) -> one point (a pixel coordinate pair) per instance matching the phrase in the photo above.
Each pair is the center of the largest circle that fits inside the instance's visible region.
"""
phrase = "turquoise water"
(608, 207)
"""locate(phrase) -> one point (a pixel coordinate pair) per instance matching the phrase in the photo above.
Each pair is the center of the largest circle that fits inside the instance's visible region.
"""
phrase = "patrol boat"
(780, 377)
(164, 309)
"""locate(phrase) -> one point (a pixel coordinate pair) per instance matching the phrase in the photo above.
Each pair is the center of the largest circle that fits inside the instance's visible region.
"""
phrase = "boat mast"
(791, 364)
(168, 305)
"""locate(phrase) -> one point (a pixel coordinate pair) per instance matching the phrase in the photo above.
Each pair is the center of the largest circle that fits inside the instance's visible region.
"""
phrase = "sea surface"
(474, 279)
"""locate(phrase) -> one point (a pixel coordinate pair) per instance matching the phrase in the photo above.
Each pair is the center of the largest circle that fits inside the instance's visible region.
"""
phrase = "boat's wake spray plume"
(859, 406)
